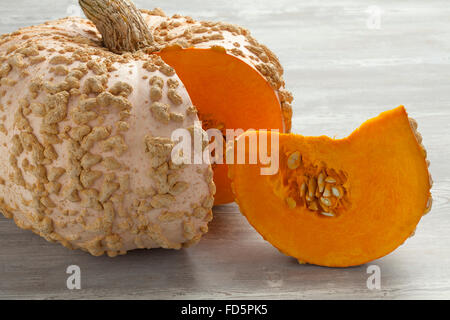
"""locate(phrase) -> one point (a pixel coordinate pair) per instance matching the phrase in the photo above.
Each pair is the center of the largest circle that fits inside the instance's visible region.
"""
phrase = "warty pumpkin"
(339, 202)
(85, 136)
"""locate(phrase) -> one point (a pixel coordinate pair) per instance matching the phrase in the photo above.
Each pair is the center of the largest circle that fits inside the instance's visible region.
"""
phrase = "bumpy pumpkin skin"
(381, 190)
(85, 148)
(234, 81)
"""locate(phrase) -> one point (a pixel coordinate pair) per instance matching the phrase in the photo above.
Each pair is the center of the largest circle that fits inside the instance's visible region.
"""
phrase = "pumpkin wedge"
(339, 202)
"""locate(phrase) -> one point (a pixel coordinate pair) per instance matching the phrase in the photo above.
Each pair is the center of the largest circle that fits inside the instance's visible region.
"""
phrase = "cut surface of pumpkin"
(340, 202)
(228, 94)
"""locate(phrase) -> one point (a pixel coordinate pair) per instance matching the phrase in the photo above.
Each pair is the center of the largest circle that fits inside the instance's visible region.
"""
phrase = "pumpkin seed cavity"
(314, 186)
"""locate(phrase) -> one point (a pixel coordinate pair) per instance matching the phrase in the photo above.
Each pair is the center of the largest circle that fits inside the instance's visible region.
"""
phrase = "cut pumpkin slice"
(340, 202)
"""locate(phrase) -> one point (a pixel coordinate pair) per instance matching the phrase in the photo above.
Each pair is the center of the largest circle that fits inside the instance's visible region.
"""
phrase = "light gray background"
(341, 73)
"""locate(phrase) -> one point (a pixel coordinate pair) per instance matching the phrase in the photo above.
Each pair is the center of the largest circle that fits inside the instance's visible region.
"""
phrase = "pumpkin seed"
(303, 189)
(294, 161)
(320, 182)
(336, 192)
(327, 192)
(328, 214)
(325, 201)
(330, 180)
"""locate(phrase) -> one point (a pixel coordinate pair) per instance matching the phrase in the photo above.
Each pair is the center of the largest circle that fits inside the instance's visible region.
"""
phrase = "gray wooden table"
(343, 65)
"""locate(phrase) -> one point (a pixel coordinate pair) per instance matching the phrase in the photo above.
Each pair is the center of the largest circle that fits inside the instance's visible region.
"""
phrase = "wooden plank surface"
(342, 71)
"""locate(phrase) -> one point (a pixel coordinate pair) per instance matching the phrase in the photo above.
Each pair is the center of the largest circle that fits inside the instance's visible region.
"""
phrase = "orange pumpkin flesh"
(229, 94)
(382, 173)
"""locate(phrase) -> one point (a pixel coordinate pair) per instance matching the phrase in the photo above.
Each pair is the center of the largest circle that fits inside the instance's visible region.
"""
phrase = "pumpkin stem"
(121, 24)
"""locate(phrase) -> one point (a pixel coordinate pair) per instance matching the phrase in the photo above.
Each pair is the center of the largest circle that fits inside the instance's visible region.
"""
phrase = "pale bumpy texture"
(85, 144)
